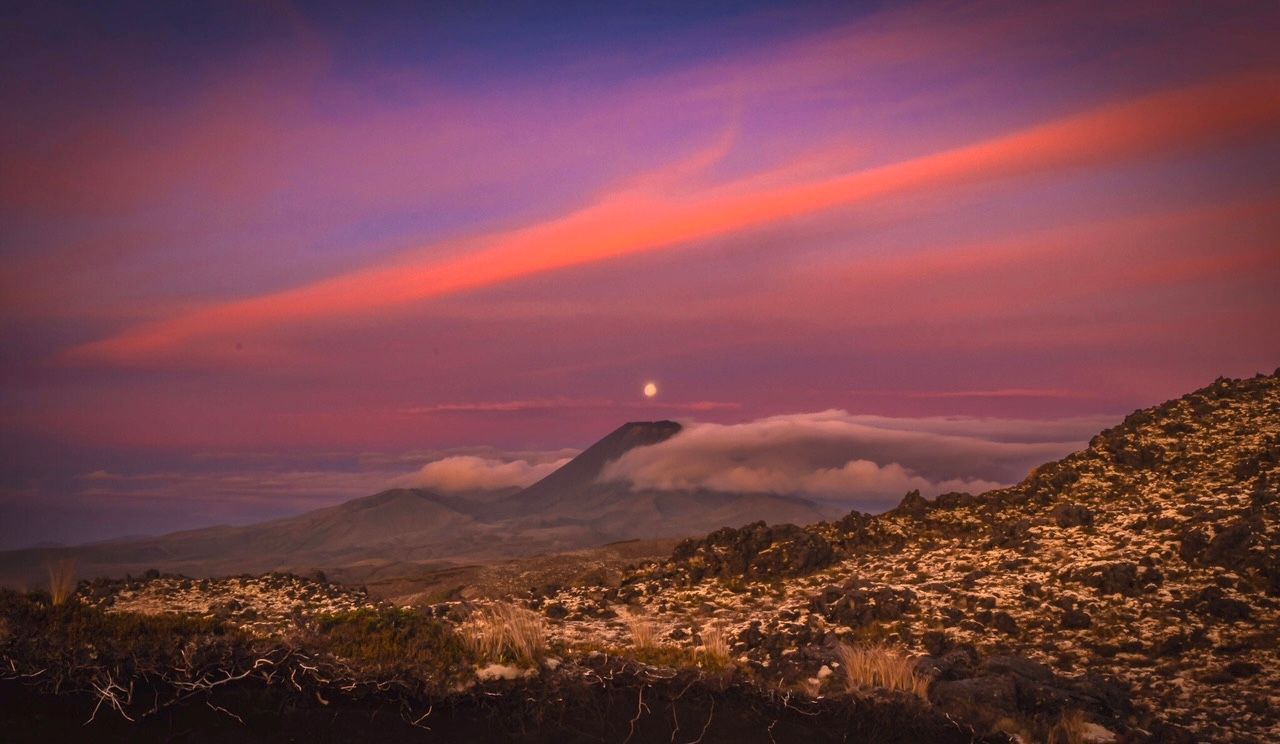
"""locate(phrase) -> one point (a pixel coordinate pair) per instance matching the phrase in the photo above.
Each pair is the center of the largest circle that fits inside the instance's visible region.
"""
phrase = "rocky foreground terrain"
(1128, 592)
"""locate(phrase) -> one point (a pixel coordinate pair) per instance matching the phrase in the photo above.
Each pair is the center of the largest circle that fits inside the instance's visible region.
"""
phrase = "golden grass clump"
(505, 631)
(62, 579)
(715, 646)
(644, 634)
(1070, 729)
(881, 666)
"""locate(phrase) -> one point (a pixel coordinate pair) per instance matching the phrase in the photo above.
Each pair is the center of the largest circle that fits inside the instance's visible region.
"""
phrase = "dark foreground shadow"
(625, 712)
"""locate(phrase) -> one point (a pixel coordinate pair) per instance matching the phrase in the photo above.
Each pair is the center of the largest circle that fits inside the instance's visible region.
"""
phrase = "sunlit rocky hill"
(1137, 580)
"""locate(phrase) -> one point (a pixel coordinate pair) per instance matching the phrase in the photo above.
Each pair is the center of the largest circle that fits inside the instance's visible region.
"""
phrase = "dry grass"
(1019, 731)
(644, 635)
(881, 667)
(715, 646)
(62, 579)
(1070, 729)
(504, 631)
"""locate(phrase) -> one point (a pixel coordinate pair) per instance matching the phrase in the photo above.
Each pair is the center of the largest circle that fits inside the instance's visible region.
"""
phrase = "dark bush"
(390, 637)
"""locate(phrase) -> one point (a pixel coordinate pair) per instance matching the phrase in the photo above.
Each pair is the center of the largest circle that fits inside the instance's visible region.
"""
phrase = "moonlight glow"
(650, 389)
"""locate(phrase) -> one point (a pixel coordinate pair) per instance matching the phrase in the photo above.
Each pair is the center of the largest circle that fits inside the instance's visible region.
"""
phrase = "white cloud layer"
(868, 460)
(471, 473)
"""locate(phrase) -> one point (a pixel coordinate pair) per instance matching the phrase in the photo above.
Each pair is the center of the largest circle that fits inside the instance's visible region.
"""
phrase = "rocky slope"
(1137, 581)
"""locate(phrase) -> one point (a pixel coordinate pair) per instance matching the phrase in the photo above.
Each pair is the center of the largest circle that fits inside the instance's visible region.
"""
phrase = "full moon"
(650, 390)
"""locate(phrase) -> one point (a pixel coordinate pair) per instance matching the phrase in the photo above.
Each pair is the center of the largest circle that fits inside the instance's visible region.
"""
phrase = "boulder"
(1120, 577)
(978, 700)
(1072, 515)
(860, 607)
(1076, 619)
(1230, 547)
(756, 551)
(1004, 622)
(1243, 669)
(1193, 543)
(935, 642)
(913, 505)
(1014, 533)
(1026, 668)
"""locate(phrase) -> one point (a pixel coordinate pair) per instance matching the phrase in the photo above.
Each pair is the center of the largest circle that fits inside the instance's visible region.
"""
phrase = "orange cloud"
(658, 214)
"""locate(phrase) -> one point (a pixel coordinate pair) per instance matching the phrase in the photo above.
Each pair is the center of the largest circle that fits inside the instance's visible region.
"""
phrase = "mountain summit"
(568, 483)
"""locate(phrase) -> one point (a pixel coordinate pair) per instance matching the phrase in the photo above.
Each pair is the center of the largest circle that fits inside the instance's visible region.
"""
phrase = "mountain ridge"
(566, 510)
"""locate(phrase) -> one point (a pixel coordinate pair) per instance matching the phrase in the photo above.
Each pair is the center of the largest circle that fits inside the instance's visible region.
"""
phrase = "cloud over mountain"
(471, 473)
(837, 456)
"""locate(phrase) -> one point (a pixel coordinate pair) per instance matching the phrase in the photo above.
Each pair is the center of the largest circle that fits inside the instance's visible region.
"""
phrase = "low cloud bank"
(856, 460)
(472, 473)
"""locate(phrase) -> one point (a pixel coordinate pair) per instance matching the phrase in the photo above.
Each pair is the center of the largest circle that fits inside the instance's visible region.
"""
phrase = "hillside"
(1137, 580)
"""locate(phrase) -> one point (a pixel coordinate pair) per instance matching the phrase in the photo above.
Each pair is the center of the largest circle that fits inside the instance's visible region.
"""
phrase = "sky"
(265, 257)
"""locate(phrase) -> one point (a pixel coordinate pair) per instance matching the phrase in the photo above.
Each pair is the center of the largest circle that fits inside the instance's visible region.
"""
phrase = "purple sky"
(263, 260)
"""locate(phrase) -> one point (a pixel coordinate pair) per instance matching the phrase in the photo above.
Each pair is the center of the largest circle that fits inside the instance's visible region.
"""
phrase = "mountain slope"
(378, 524)
(1137, 580)
(396, 529)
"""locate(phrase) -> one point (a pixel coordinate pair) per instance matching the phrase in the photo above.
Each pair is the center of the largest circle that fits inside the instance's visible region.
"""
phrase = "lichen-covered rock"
(755, 551)
(1230, 547)
(913, 505)
(1121, 577)
(1072, 515)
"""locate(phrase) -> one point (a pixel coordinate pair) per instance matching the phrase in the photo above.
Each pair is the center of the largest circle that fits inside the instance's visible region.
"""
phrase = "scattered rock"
(1005, 623)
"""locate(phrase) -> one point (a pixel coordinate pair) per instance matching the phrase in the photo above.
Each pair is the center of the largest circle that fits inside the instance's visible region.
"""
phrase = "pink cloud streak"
(638, 219)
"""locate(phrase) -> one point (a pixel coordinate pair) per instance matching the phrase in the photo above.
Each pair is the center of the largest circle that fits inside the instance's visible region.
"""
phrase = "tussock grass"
(644, 634)
(880, 666)
(1070, 729)
(62, 579)
(715, 647)
(502, 632)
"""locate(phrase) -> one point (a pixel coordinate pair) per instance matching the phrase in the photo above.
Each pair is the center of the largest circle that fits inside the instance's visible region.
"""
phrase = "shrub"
(62, 579)
(75, 634)
(391, 637)
(505, 632)
(880, 666)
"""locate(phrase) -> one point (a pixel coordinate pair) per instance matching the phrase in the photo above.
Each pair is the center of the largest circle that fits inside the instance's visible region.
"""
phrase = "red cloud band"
(636, 220)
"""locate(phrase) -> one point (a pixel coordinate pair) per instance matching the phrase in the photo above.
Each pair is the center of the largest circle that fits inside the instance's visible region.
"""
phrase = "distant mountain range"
(567, 510)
